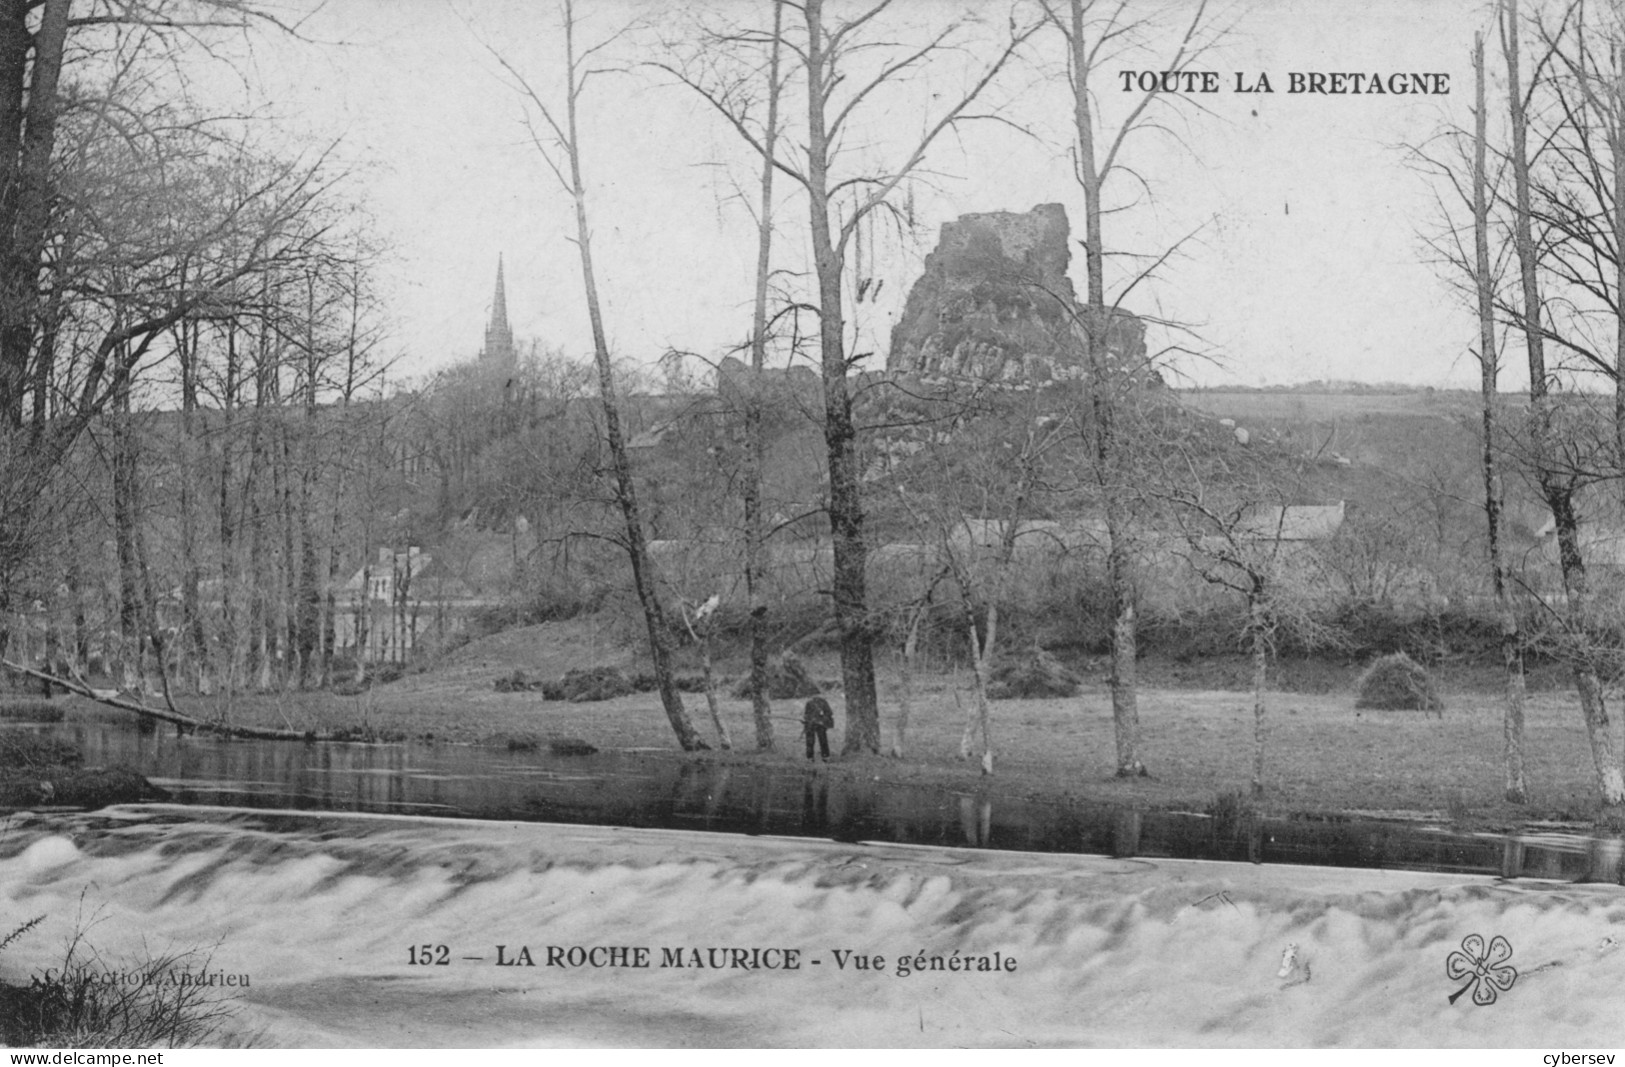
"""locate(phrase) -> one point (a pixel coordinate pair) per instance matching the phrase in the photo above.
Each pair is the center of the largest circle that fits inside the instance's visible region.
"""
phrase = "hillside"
(1400, 433)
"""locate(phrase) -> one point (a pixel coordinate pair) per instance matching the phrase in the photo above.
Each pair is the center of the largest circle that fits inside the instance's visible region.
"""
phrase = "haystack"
(1398, 683)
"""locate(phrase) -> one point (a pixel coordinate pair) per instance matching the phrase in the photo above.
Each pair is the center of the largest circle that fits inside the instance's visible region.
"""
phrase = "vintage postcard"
(812, 523)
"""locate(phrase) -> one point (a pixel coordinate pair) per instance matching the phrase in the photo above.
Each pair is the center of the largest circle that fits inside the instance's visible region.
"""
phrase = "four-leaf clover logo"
(1484, 966)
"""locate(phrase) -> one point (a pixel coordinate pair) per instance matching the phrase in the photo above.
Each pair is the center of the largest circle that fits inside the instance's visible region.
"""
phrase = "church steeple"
(499, 350)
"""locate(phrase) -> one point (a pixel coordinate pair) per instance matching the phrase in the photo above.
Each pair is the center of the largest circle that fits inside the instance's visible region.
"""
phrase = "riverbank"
(37, 772)
(1324, 756)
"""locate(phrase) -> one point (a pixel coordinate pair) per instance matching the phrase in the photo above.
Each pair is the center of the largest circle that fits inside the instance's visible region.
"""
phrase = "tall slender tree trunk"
(308, 596)
(232, 649)
(1516, 789)
(126, 515)
(981, 664)
(1611, 777)
(1556, 486)
(44, 366)
(905, 678)
(625, 488)
(260, 571)
(1258, 625)
(80, 655)
(846, 518)
(150, 620)
(755, 536)
(16, 281)
(1107, 447)
(289, 602)
(28, 121)
(724, 738)
(195, 639)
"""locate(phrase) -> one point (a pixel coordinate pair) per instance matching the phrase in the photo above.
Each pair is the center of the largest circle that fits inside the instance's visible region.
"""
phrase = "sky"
(1298, 221)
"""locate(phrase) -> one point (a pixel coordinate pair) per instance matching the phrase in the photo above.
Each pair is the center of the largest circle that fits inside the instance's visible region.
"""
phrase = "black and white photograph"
(812, 524)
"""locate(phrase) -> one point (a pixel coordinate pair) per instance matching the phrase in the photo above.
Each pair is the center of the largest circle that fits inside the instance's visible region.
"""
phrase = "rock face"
(995, 303)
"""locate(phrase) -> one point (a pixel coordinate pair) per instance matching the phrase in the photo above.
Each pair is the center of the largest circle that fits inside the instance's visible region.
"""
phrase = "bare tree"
(846, 66)
(1231, 507)
(1458, 162)
(1095, 33)
(1558, 476)
(742, 93)
(981, 494)
(1516, 787)
(557, 137)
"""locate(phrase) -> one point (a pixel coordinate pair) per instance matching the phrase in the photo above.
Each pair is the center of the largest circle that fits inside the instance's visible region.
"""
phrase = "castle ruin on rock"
(995, 303)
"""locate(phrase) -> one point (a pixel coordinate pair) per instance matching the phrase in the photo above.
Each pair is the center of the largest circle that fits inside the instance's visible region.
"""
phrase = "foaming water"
(324, 915)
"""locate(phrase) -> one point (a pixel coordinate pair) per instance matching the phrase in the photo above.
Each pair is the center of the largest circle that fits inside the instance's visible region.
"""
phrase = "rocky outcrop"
(995, 303)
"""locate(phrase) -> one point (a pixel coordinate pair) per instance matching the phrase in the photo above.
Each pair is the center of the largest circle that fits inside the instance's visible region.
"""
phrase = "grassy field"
(1323, 755)
(1309, 406)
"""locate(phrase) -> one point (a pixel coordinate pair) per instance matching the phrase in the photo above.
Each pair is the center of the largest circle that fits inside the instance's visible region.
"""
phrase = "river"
(406, 895)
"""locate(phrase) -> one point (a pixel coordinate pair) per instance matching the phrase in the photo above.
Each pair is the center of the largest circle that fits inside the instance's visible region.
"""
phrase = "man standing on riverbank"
(817, 719)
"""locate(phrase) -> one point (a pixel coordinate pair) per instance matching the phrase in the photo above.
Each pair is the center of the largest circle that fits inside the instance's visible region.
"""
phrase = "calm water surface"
(662, 789)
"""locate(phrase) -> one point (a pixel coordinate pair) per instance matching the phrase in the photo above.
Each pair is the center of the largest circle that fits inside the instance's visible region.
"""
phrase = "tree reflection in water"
(669, 789)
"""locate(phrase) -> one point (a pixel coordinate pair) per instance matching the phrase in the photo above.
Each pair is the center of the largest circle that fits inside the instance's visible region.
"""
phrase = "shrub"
(366, 733)
(1230, 810)
(787, 679)
(645, 682)
(75, 1005)
(1398, 683)
(31, 711)
(1037, 674)
(595, 683)
(515, 683)
(31, 751)
(1373, 628)
(553, 602)
(342, 665)
(453, 641)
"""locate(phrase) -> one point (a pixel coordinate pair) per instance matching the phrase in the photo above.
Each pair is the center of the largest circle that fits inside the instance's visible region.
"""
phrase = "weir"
(359, 929)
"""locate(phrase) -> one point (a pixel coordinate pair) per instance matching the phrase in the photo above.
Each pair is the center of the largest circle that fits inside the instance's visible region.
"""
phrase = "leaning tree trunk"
(625, 488)
(724, 738)
(708, 678)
